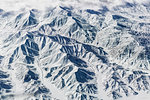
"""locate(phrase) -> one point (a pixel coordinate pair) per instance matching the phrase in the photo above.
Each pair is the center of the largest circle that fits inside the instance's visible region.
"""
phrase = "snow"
(51, 59)
(41, 4)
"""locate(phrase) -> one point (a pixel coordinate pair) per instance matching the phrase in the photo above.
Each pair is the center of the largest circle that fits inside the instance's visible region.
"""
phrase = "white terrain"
(74, 50)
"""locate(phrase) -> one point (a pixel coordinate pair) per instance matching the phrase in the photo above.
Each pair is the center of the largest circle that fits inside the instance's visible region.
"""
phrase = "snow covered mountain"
(79, 50)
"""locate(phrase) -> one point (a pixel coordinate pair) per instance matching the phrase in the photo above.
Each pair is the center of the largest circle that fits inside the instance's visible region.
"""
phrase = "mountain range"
(69, 53)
